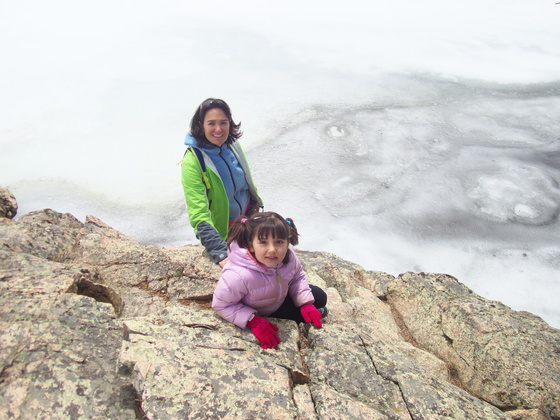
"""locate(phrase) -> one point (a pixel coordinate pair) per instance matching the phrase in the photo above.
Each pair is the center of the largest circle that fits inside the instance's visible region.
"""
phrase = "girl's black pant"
(288, 310)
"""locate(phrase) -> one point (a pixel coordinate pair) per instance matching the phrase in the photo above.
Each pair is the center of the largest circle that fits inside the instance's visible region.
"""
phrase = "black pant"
(288, 310)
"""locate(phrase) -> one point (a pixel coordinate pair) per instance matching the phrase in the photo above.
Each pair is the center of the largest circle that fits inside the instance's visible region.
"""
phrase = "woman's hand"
(223, 262)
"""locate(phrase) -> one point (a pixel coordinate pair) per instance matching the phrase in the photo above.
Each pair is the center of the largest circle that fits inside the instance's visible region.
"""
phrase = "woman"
(216, 178)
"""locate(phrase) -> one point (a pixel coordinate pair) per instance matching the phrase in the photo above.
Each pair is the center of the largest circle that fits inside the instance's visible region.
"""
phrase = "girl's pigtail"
(238, 232)
(293, 232)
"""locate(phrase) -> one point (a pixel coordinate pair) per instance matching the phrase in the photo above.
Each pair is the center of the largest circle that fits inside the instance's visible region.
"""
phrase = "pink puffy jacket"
(247, 287)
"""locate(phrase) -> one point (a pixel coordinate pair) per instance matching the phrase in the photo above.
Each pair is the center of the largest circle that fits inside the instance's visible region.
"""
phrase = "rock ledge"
(97, 325)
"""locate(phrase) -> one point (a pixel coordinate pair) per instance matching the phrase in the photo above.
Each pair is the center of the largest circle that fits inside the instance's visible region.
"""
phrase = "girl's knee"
(320, 296)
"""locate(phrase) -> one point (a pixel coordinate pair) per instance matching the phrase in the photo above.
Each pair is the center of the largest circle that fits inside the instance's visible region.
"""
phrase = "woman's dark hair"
(262, 225)
(197, 122)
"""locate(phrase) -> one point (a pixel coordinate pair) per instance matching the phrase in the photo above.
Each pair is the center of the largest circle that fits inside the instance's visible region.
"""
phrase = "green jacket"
(207, 202)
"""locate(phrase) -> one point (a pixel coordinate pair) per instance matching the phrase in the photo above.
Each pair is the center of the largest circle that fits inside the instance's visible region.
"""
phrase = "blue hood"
(190, 140)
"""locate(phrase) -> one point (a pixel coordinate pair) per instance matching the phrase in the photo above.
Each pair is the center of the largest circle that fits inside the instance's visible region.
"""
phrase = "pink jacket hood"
(247, 287)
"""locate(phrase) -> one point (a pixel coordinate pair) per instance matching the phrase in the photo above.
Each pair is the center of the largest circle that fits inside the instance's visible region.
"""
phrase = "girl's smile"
(269, 251)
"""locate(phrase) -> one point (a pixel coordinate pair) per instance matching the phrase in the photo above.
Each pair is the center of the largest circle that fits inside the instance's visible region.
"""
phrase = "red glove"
(265, 331)
(311, 314)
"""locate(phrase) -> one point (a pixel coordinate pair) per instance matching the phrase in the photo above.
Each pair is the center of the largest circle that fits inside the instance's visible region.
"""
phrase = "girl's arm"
(226, 301)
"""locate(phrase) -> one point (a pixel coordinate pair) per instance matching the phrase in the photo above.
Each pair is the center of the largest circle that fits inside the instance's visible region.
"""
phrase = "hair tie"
(243, 220)
(289, 222)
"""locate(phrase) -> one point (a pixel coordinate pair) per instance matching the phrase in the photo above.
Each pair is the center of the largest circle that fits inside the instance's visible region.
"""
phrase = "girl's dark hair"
(197, 122)
(261, 225)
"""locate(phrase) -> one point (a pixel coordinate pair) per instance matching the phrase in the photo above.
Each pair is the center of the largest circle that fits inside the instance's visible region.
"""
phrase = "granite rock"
(97, 325)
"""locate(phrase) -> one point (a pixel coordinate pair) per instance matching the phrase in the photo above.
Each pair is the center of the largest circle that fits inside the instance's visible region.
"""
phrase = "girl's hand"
(311, 314)
(265, 331)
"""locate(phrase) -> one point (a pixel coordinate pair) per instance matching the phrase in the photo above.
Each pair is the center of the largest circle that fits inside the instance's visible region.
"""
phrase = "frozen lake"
(403, 137)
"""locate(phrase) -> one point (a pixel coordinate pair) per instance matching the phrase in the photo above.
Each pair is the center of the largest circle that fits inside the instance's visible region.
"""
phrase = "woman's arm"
(198, 209)
(213, 242)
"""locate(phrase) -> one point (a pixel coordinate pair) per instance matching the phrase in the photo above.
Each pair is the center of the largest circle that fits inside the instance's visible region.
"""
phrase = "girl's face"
(270, 251)
(216, 126)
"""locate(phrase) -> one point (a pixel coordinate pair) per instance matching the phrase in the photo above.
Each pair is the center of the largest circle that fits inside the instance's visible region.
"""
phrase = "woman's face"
(216, 126)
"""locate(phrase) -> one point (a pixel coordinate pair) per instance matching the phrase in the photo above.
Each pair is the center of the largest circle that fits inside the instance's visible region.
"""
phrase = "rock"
(44, 234)
(97, 325)
(508, 358)
(8, 204)
(186, 363)
(58, 350)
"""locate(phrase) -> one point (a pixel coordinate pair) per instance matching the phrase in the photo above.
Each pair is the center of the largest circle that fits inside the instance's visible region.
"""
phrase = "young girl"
(264, 278)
